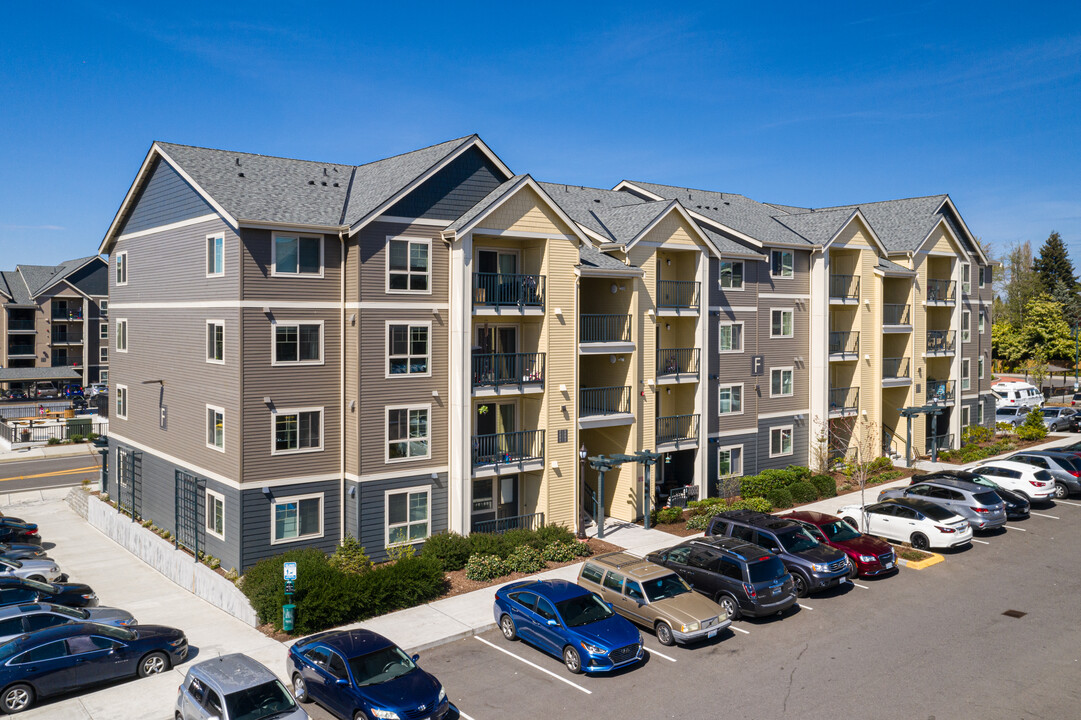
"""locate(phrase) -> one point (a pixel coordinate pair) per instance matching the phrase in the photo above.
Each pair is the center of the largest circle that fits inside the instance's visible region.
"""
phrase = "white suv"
(1032, 482)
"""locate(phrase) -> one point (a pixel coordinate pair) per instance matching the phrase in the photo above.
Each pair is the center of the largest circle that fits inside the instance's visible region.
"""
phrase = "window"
(121, 335)
(979, 366)
(780, 323)
(297, 518)
(730, 399)
(103, 330)
(780, 263)
(731, 275)
(122, 268)
(966, 382)
(103, 308)
(780, 441)
(983, 321)
(297, 343)
(215, 428)
(408, 265)
(122, 401)
(780, 382)
(590, 572)
(215, 514)
(298, 430)
(408, 349)
(103, 376)
(408, 515)
(407, 433)
(979, 412)
(730, 461)
(966, 278)
(966, 326)
(103, 354)
(297, 255)
(966, 416)
(730, 337)
(215, 255)
(982, 275)
(613, 581)
(215, 341)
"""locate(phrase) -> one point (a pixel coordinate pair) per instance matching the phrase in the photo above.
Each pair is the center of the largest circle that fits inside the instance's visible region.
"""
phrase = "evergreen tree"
(1053, 266)
(1021, 284)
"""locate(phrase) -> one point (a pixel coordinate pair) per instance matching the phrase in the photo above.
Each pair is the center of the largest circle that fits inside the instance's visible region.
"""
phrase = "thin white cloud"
(11, 228)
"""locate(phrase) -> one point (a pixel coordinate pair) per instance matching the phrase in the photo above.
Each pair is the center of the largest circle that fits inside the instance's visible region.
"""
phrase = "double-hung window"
(215, 428)
(298, 342)
(408, 265)
(215, 514)
(731, 274)
(730, 337)
(730, 461)
(982, 327)
(730, 399)
(966, 326)
(297, 518)
(103, 330)
(297, 255)
(122, 401)
(408, 515)
(215, 255)
(781, 263)
(122, 268)
(298, 430)
(780, 382)
(966, 278)
(966, 381)
(979, 366)
(408, 349)
(215, 341)
(103, 308)
(780, 324)
(103, 354)
(780, 441)
(408, 433)
(966, 416)
(121, 335)
(982, 275)
(979, 412)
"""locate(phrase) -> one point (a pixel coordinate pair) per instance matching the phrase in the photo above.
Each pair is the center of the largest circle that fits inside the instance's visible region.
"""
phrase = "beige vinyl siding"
(527, 213)
(259, 284)
(372, 242)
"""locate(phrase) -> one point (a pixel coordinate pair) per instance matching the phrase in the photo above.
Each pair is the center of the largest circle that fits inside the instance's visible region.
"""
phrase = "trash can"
(289, 613)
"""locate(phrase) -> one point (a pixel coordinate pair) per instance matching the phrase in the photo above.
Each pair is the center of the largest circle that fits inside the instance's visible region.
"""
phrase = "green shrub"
(669, 515)
(887, 476)
(704, 510)
(350, 557)
(77, 438)
(760, 485)
(52, 441)
(403, 584)
(450, 549)
(92, 436)
(582, 549)
(797, 473)
(881, 464)
(401, 552)
(526, 559)
(485, 567)
(520, 536)
(698, 522)
(756, 504)
(975, 434)
(825, 485)
(708, 507)
(803, 492)
(1032, 428)
(554, 533)
(560, 552)
(779, 498)
(1004, 427)
(488, 544)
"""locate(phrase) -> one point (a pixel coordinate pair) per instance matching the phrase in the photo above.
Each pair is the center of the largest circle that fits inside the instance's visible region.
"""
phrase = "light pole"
(1076, 338)
(582, 494)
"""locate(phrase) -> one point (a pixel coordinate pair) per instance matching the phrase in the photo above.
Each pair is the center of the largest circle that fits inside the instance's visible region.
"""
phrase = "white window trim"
(427, 490)
(979, 412)
(274, 324)
(103, 331)
(296, 411)
(103, 308)
(790, 369)
(386, 340)
(121, 390)
(966, 416)
(982, 272)
(103, 354)
(103, 376)
(792, 311)
(386, 433)
(792, 434)
(729, 448)
(966, 326)
(121, 260)
(743, 285)
(981, 361)
(215, 236)
(742, 399)
(274, 255)
(782, 275)
(210, 445)
(742, 336)
(966, 285)
(119, 322)
(966, 374)
(210, 324)
(206, 512)
(386, 275)
(981, 326)
(297, 498)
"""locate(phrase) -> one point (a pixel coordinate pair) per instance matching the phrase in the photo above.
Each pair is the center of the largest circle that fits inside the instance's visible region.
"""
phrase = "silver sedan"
(18, 619)
(40, 569)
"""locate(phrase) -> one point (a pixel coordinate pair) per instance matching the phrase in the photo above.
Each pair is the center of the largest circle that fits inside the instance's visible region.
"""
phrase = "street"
(43, 474)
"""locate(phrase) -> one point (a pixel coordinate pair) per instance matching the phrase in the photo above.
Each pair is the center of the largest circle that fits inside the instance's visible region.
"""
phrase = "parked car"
(31, 617)
(983, 509)
(78, 402)
(18, 551)
(1016, 393)
(72, 391)
(653, 596)
(42, 570)
(1065, 468)
(95, 389)
(14, 530)
(570, 622)
(45, 390)
(361, 674)
(742, 578)
(234, 687)
(869, 556)
(71, 657)
(814, 566)
(1060, 419)
(16, 591)
(1012, 414)
(1029, 480)
(1017, 505)
(910, 520)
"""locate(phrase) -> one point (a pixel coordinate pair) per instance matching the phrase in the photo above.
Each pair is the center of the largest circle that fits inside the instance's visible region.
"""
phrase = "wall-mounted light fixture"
(668, 261)
(267, 400)
(667, 326)
(352, 405)
(558, 311)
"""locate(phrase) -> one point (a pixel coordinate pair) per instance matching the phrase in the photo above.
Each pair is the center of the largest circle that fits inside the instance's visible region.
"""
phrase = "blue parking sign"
(290, 569)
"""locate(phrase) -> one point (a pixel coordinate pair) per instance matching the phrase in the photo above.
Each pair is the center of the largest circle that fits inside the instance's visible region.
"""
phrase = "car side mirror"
(416, 657)
(609, 606)
(342, 681)
(552, 622)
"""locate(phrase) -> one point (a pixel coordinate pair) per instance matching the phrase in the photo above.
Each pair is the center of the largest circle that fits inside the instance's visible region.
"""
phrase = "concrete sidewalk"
(50, 452)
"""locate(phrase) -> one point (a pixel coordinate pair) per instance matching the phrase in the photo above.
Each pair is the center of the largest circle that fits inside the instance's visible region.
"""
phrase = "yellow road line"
(70, 471)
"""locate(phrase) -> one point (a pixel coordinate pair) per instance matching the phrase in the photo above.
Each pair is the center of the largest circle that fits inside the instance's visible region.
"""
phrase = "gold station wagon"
(653, 596)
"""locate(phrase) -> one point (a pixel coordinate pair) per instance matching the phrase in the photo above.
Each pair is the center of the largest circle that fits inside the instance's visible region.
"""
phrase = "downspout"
(341, 385)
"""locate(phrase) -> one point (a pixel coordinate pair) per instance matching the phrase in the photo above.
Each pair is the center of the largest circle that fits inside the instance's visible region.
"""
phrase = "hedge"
(453, 551)
(803, 492)
(763, 483)
(779, 498)
(825, 485)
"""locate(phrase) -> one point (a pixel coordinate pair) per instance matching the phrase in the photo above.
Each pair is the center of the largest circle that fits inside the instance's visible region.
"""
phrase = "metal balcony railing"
(64, 313)
(20, 323)
(677, 294)
(941, 290)
(60, 337)
(845, 287)
(21, 350)
(677, 361)
(677, 428)
(508, 290)
(844, 342)
(605, 401)
(843, 400)
(604, 328)
(534, 521)
(65, 362)
(943, 442)
(896, 314)
(498, 369)
(940, 391)
(509, 447)
(941, 340)
(895, 368)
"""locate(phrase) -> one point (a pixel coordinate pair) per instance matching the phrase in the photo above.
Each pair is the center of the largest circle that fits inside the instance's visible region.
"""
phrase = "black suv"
(814, 566)
(742, 578)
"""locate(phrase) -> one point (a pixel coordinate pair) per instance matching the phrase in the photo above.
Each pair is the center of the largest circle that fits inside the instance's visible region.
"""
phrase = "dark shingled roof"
(891, 266)
(901, 225)
(589, 256)
(26, 282)
(818, 226)
(38, 373)
(486, 202)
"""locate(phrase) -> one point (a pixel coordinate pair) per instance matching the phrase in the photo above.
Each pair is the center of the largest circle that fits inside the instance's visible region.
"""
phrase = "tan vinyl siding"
(372, 241)
(527, 213)
(259, 284)
(800, 282)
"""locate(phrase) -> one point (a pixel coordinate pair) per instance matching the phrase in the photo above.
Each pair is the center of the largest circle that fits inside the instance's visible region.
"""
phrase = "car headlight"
(55, 569)
(867, 558)
(385, 714)
(690, 627)
(178, 642)
(820, 568)
(442, 696)
(594, 649)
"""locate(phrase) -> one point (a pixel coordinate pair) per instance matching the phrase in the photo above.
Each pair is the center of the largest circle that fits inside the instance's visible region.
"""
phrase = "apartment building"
(307, 350)
(54, 321)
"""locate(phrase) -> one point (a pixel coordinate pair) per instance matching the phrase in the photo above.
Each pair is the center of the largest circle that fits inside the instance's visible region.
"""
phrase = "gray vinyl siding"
(259, 284)
(256, 508)
(800, 282)
(988, 411)
(783, 353)
(452, 191)
(370, 502)
(799, 454)
(971, 405)
(730, 486)
(166, 198)
(728, 297)
(372, 279)
(731, 368)
(92, 279)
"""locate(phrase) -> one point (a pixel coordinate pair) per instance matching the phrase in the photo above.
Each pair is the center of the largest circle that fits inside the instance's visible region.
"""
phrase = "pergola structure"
(603, 464)
(934, 410)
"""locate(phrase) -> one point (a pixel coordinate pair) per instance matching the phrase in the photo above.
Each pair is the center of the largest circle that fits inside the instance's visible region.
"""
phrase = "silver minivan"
(232, 687)
(983, 509)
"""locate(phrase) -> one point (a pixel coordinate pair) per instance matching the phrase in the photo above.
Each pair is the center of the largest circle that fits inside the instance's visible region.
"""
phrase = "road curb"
(455, 637)
(935, 559)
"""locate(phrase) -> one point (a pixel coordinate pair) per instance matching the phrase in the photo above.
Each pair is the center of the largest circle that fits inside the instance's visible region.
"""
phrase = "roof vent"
(311, 182)
(324, 183)
(727, 203)
(240, 174)
(325, 174)
(238, 162)
(596, 200)
(336, 185)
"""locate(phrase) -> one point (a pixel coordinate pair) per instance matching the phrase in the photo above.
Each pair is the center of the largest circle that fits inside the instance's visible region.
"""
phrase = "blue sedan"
(360, 675)
(567, 621)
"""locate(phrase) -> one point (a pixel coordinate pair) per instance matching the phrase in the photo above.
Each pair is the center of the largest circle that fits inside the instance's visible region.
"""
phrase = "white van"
(1013, 394)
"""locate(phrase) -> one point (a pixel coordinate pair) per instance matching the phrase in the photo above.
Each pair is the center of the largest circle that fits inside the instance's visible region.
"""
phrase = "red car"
(872, 557)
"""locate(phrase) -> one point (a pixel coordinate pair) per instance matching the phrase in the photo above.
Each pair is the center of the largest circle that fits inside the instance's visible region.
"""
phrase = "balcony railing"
(62, 313)
(20, 323)
(534, 521)
(604, 328)
(508, 290)
(21, 350)
(677, 361)
(940, 391)
(681, 294)
(895, 314)
(605, 401)
(66, 337)
(943, 442)
(895, 368)
(845, 287)
(509, 447)
(65, 362)
(677, 428)
(844, 342)
(941, 290)
(844, 400)
(941, 340)
(498, 369)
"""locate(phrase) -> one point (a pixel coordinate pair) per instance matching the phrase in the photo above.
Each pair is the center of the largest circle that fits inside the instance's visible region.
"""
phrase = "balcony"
(896, 372)
(844, 345)
(676, 365)
(896, 318)
(21, 325)
(844, 289)
(508, 373)
(604, 334)
(508, 453)
(941, 342)
(533, 521)
(677, 432)
(64, 314)
(65, 362)
(508, 294)
(941, 292)
(61, 337)
(677, 297)
(940, 392)
(604, 407)
(21, 351)
(844, 402)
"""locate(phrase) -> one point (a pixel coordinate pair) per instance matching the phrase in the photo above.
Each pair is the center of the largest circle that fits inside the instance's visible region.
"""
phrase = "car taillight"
(944, 529)
(1035, 483)
(1075, 473)
(980, 509)
(751, 593)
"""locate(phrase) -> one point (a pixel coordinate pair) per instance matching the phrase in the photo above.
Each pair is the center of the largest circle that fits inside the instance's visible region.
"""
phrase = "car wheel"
(852, 522)
(507, 626)
(1061, 491)
(664, 634)
(37, 578)
(153, 664)
(300, 689)
(919, 541)
(16, 699)
(855, 571)
(572, 660)
(800, 583)
(730, 606)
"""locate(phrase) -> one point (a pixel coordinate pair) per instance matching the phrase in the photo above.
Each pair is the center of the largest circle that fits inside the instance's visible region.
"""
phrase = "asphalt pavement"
(48, 472)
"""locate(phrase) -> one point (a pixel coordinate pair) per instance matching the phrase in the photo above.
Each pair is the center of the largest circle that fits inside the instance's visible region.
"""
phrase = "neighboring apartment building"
(55, 317)
(308, 350)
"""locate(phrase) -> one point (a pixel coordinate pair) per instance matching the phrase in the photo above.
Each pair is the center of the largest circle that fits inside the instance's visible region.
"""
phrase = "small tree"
(820, 446)
(1032, 427)
(862, 453)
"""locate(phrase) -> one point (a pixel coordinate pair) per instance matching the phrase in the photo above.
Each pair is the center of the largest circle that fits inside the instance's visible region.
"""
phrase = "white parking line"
(1042, 515)
(1067, 502)
(658, 653)
(534, 665)
(860, 586)
(981, 542)
(1011, 527)
(805, 607)
(745, 632)
(463, 715)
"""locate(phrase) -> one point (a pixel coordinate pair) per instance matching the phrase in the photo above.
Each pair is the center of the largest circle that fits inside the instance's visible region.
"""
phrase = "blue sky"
(803, 103)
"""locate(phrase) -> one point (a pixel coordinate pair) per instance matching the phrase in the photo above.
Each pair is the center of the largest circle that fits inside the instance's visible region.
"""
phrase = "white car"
(1032, 482)
(40, 569)
(910, 520)
(1014, 393)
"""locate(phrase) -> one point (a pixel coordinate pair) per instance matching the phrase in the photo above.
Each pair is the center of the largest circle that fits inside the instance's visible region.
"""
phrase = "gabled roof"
(590, 258)
(26, 282)
(823, 226)
(498, 195)
(902, 225)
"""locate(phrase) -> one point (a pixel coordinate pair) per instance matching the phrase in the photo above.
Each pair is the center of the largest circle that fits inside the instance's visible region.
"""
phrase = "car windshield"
(583, 610)
(838, 531)
(797, 540)
(665, 586)
(1050, 412)
(380, 666)
(261, 701)
(767, 569)
(74, 613)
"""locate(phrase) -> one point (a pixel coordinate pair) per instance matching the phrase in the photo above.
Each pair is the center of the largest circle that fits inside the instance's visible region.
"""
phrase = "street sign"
(290, 570)
(289, 588)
